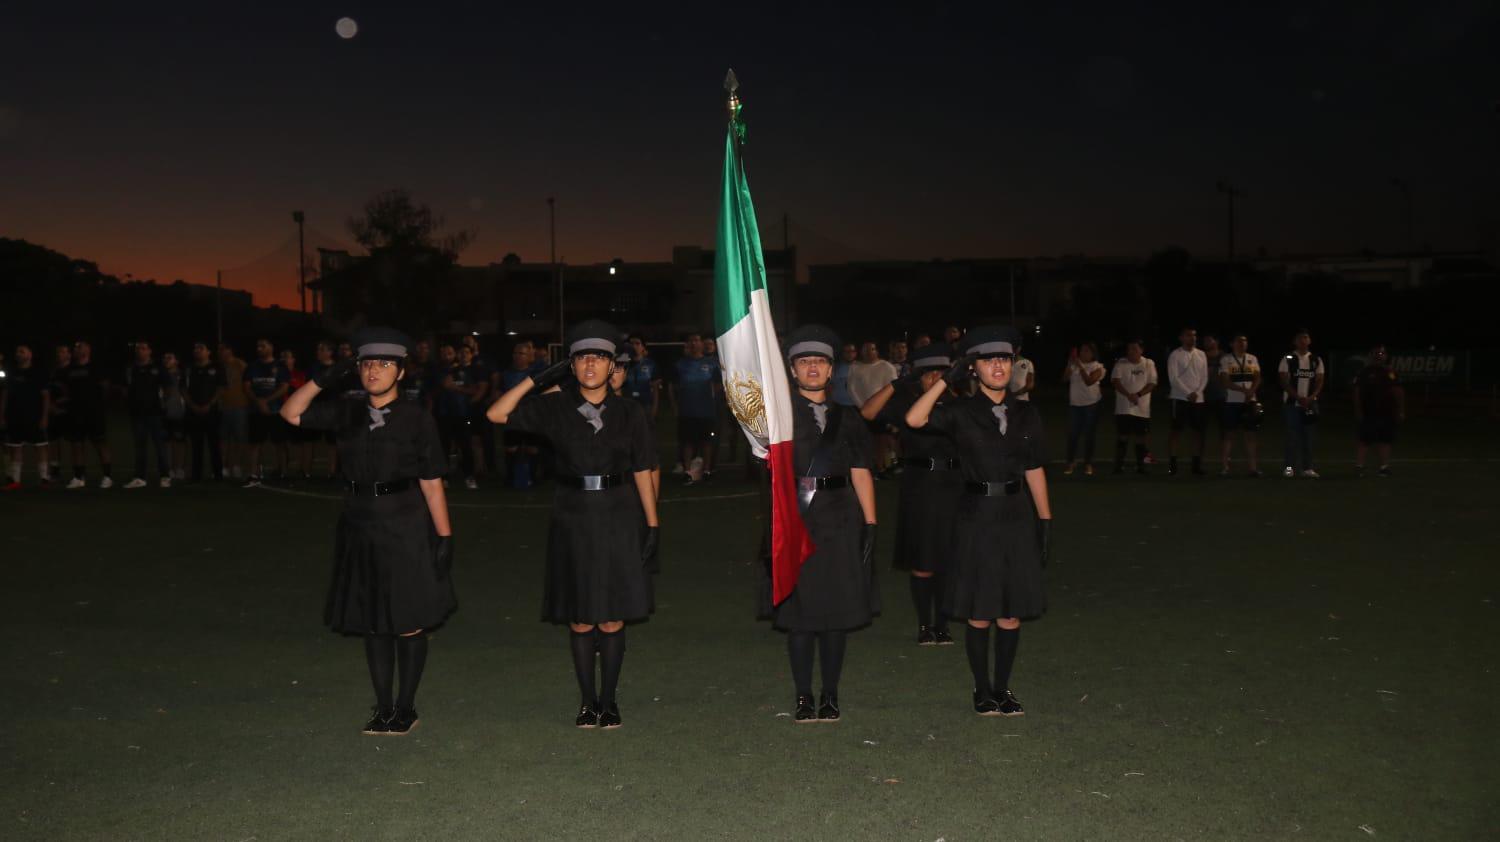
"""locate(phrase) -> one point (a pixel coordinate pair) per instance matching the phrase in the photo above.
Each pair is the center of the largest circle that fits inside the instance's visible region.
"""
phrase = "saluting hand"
(552, 374)
(959, 371)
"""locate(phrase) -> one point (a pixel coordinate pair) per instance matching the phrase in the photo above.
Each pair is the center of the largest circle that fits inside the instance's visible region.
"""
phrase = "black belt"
(993, 489)
(592, 482)
(377, 489)
(929, 464)
(820, 483)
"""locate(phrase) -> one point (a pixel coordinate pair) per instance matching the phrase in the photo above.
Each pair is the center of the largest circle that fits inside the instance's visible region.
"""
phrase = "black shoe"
(379, 722)
(610, 717)
(402, 723)
(588, 715)
(1383, 471)
(828, 708)
(985, 704)
(805, 711)
(1009, 705)
(942, 636)
(1171, 467)
(925, 637)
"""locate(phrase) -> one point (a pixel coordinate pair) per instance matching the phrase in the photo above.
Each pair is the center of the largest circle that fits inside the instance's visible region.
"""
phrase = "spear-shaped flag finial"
(731, 82)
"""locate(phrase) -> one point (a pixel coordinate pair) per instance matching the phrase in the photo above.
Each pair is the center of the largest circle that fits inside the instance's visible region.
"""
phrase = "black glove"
(649, 549)
(959, 371)
(329, 377)
(867, 545)
(552, 374)
(442, 562)
(1044, 538)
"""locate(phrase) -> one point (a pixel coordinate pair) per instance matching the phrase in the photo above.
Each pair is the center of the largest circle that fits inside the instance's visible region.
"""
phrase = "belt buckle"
(807, 483)
(592, 483)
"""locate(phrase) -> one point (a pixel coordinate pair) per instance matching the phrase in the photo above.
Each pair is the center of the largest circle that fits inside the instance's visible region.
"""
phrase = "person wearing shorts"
(234, 408)
(1379, 407)
(694, 394)
(1133, 379)
(266, 384)
(87, 389)
(24, 410)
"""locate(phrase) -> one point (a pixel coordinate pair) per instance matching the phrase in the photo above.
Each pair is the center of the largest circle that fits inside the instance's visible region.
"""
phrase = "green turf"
(1224, 659)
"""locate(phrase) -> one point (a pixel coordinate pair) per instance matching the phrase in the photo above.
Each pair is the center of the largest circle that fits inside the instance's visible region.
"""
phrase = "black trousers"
(203, 431)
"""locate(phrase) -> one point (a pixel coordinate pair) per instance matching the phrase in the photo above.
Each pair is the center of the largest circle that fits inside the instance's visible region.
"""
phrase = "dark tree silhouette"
(393, 221)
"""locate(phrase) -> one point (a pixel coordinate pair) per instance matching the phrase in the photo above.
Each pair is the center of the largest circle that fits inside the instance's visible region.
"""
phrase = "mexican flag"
(754, 371)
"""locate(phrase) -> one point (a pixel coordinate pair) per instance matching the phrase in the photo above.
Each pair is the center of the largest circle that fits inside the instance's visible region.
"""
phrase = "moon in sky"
(346, 28)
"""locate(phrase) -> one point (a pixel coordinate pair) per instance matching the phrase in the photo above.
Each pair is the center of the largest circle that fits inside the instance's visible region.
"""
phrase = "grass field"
(1224, 659)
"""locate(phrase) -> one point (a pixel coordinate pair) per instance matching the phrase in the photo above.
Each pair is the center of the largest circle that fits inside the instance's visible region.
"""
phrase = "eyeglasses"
(383, 365)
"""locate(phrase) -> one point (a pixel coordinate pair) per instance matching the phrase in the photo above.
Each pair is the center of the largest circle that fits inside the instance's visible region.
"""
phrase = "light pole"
(1409, 210)
(1231, 191)
(556, 271)
(298, 218)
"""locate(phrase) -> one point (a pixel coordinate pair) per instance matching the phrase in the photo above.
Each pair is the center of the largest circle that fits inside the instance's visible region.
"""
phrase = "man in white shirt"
(1022, 378)
(1133, 379)
(1302, 377)
(1187, 375)
(867, 375)
(1239, 374)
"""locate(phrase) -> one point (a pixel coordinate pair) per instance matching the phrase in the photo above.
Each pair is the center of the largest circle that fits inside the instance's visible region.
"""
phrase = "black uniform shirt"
(925, 443)
(23, 395)
(144, 385)
(57, 387)
(623, 445)
(986, 455)
(850, 450)
(85, 388)
(406, 446)
(203, 383)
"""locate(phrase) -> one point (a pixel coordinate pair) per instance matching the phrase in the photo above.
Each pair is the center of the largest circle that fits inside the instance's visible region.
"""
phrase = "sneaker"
(13, 485)
(1009, 704)
(677, 469)
(588, 715)
(252, 482)
(166, 482)
(1385, 471)
(106, 483)
(1068, 471)
(136, 483)
(1311, 474)
(1254, 473)
(379, 721)
(925, 637)
(401, 724)
(1288, 473)
(985, 704)
(805, 711)
(942, 636)
(471, 484)
(75, 483)
(1088, 470)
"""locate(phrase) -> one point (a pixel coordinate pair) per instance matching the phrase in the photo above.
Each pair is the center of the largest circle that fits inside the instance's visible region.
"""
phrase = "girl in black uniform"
(1003, 535)
(835, 590)
(930, 489)
(601, 546)
(395, 544)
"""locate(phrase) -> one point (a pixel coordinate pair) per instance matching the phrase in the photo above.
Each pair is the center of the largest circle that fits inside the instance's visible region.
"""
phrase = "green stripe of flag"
(739, 265)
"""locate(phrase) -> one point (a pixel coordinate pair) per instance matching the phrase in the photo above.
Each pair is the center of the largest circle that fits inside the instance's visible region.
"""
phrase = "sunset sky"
(168, 144)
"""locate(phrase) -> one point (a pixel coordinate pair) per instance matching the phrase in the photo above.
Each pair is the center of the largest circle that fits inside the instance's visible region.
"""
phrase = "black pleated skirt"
(926, 520)
(594, 568)
(835, 589)
(384, 577)
(997, 562)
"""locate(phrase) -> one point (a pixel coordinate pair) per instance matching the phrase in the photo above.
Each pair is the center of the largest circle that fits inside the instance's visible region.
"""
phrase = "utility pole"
(298, 218)
(1231, 191)
(1408, 208)
(556, 271)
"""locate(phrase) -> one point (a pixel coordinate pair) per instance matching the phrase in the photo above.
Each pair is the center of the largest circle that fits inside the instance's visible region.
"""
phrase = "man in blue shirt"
(146, 380)
(694, 394)
(839, 384)
(266, 383)
(643, 378)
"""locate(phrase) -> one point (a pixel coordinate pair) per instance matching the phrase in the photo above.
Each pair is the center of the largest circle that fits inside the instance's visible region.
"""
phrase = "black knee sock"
(411, 657)
(1119, 452)
(799, 650)
(1006, 641)
(939, 619)
(921, 597)
(977, 644)
(1140, 455)
(831, 645)
(583, 664)
(611, 659)
(106, 468)
(380, 655)
(78, 471)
